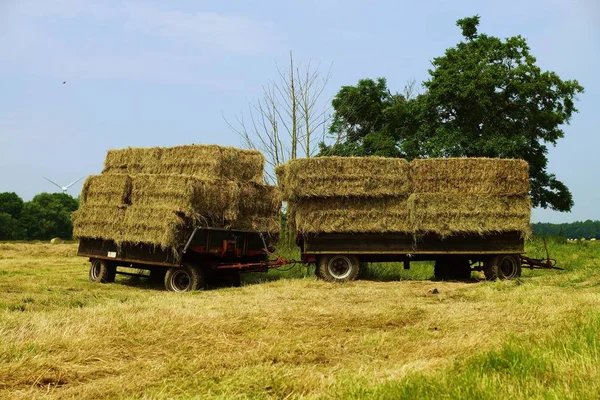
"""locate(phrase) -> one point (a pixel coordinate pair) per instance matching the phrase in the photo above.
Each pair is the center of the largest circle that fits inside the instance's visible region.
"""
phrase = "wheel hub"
(339, 267)
(95, 270)
(508, 267)
(181, 281)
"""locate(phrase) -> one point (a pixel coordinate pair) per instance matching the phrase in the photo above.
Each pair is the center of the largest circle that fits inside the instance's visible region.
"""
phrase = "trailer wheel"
(184, 279)
(102, 271)
(506, 266)
(338, 268)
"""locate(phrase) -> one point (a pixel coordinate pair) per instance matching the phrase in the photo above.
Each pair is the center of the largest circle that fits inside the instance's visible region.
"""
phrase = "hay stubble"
(62, 337)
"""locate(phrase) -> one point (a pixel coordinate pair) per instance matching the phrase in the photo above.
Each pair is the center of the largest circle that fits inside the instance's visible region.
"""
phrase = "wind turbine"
(63, 188)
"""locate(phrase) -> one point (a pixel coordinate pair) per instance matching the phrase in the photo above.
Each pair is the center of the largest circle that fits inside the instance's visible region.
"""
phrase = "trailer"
(338, 256)
(204, 255)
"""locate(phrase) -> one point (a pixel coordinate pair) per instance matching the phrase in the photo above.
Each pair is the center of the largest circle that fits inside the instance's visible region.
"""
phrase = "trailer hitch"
(539, 263)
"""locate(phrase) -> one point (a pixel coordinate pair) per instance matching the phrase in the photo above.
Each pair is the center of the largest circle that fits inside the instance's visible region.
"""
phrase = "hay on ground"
(201, 161)
(216, 200)
(447, 214)
(349, 215)
(99, 222)
(345, 176)
(470, 176)
(106, 190)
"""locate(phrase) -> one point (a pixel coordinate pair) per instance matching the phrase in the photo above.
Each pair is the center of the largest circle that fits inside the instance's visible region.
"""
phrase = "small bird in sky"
(64, 82)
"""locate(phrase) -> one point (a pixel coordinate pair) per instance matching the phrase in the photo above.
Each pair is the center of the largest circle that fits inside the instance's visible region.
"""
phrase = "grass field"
(386, 336)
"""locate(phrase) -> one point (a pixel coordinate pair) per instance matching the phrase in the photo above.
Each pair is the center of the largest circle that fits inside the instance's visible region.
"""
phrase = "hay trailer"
(209, 255)
(338, 256)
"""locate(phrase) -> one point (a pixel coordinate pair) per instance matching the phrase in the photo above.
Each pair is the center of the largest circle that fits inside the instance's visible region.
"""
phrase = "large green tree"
(48, 215)
(486, 97)
(366, 121)
(11, 206)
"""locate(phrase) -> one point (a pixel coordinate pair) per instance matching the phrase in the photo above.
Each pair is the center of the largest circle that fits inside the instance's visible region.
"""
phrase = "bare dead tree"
(284, 121)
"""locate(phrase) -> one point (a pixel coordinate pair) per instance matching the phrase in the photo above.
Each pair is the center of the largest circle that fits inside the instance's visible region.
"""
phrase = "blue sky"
(143, 73)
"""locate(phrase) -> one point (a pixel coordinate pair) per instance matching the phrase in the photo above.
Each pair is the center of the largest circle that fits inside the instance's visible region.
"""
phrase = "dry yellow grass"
(63, 337)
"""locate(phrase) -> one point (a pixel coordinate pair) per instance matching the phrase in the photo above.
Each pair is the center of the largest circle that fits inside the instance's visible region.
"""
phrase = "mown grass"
(285, 334)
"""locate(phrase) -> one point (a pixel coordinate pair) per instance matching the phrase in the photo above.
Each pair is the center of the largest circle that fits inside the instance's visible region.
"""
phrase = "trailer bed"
(386, 244)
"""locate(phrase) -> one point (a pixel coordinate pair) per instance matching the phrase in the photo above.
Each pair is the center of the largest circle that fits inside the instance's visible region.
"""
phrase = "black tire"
(506, 266)
(184, 279)
(338, 268)
(102, 271)
(317, 272)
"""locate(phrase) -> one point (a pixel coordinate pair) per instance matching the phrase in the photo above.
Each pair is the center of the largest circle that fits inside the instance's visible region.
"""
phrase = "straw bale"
(280, 174)
(108, 190)
(447, 214)
(216, 200)
(470, 176)
(202, 161)
(260, 200)
(349, 214)
(99, 222)
(132, 160)
(345, 176)
(242, 165)
(161, 227)
(270, 225)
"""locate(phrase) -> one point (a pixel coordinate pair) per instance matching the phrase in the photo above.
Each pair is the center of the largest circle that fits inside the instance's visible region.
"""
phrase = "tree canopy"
(46, 216)
(486, 97)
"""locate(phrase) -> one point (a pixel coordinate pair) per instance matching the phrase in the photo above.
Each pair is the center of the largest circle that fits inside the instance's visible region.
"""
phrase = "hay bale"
(132, 160)
(447, 214)
(260, 200)
(242, 165)
(215, 200)
(201, 161)
(270, 225)
(106, 190)
(160, 227)
(492, 176)
(349, 215)
(99, 222)
(345, 176)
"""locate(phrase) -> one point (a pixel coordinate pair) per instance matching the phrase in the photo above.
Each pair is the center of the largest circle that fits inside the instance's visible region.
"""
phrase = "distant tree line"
(46, 216)
(573, 230)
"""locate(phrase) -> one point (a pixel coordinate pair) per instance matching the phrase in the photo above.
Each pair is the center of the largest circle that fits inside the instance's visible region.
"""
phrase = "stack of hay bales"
(152, 195)
(469, 195)
(346, 194)
(373, 194)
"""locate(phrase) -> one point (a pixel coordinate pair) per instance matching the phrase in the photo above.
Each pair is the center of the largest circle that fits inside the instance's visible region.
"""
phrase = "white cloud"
(125, 40)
